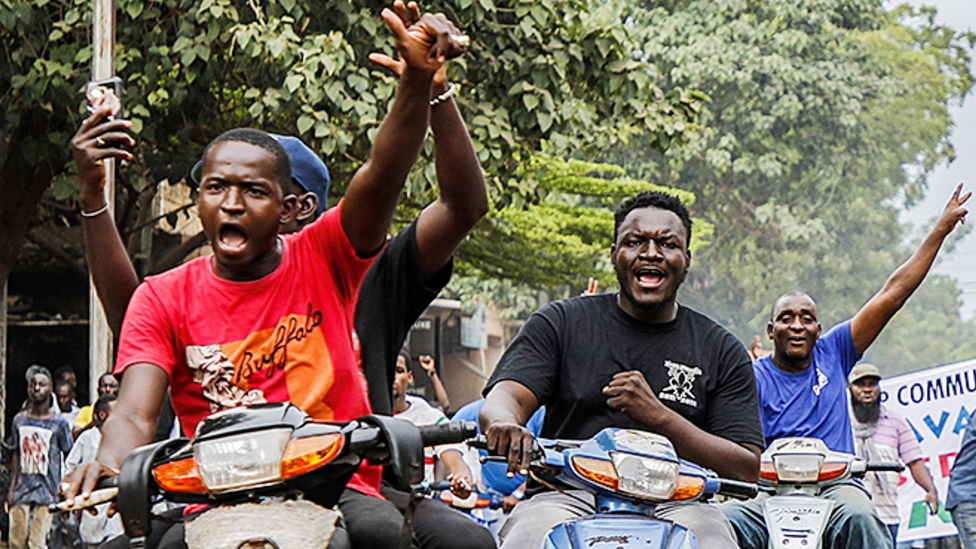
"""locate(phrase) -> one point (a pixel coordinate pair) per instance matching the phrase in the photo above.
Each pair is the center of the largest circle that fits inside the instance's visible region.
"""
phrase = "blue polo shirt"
(812, 403)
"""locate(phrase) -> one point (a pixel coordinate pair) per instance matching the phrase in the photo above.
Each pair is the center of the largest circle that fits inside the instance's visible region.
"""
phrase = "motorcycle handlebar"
(738, 489)
(105, 490)
(447, 433)
(893, 466)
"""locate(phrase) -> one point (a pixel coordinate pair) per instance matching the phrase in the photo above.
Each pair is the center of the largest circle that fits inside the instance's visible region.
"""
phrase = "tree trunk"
(22, 184)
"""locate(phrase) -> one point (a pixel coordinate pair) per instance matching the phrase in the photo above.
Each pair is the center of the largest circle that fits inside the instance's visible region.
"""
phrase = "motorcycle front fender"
(619, 531)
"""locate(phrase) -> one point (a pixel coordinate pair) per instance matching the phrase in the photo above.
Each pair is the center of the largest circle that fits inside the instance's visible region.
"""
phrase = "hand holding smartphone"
(105, 92)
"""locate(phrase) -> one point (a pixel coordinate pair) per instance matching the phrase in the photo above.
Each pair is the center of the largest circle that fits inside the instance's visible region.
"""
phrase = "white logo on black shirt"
(681, 383)
(822, 381)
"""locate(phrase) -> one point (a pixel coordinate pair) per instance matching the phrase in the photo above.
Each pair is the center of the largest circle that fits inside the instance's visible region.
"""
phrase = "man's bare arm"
(507, 409)
(14, 477)
(463, 197)
(132, 424)
(371, 199)
(112, 272)
(922, 477)
(463, 201)
(872, 318)
(460, 474)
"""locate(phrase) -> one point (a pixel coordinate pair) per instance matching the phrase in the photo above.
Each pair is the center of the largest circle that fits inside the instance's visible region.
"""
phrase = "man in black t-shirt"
(636, 360)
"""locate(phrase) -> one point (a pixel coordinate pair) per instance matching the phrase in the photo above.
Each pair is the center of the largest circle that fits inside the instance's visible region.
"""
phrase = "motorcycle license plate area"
(617, 532)
(282, 524)
(796, 522)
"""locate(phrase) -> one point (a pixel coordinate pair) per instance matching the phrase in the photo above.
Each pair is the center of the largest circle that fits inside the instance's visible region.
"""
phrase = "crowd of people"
(50, 438)
(194, 340)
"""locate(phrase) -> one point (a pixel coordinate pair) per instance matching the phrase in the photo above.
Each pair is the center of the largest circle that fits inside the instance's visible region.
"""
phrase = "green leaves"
(823, 115)
(791, 122)
(557, 230)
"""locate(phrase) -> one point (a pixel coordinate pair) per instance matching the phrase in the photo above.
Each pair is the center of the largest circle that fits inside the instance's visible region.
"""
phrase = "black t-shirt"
(392, 297)
(569, 350)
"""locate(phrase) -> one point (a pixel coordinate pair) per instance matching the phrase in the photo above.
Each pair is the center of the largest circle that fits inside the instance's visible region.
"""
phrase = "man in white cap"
(881, 435)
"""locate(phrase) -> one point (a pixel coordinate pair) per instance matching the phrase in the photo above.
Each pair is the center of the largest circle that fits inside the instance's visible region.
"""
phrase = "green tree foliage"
(556, 70)
(825, 115)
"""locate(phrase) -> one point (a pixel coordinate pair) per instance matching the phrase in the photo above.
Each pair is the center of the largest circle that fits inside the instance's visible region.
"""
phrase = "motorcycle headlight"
(798, 467)
(645, 477)
(242, 461)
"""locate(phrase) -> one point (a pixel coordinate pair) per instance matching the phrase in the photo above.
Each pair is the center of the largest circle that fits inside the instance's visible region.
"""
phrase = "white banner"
(937, 403)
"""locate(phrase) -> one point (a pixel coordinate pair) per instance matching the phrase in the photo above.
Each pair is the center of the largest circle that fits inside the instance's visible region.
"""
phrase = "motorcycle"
(629, 472)
(267, 475)
(798, 470)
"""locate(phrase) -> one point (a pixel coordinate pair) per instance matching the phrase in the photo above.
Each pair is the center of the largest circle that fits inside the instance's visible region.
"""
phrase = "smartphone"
(101, 91)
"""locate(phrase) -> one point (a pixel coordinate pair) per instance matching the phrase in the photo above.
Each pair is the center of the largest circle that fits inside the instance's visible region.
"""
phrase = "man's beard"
(866, 412)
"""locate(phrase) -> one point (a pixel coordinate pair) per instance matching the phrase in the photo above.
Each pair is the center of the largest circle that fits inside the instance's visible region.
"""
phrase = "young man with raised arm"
(198, 328)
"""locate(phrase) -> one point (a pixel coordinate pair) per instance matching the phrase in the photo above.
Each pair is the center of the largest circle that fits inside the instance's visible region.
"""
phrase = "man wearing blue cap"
(310, 182)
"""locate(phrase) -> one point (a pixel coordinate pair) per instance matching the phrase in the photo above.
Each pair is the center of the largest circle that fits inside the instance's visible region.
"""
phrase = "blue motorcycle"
(629, 472)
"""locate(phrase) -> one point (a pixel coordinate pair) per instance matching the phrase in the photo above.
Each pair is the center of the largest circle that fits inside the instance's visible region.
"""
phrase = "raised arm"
(875, 314)
(132, 424)
(111, 270)
(372, 195)
(463, 199)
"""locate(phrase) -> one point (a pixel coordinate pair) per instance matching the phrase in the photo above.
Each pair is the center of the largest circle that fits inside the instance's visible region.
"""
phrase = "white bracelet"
(96, 213)
(451, 91)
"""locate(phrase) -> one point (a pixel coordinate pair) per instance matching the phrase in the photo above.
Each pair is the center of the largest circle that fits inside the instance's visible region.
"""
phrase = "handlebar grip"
(738, 489)
(98, 496)
(447, 433)
(893, 466)
(440, 485)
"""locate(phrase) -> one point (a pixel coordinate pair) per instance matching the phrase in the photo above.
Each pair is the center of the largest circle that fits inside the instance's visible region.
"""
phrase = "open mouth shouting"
(649, 278)
(231, 238)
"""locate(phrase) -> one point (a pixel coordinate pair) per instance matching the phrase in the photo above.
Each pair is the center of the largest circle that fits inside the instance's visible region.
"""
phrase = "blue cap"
(307, 169)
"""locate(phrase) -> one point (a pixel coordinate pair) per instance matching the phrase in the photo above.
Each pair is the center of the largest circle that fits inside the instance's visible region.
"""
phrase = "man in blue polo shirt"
(803, 388)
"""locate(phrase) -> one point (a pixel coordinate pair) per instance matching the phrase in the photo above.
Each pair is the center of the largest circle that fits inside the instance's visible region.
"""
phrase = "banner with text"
(937, 403)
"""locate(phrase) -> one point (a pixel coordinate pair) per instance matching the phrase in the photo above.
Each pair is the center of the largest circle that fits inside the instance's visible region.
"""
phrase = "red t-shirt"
(284, 337)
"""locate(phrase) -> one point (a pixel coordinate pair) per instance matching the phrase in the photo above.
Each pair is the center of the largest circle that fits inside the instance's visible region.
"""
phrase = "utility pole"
(3, 361)
(100, 351)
